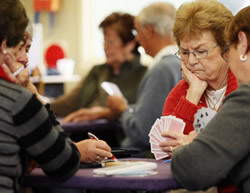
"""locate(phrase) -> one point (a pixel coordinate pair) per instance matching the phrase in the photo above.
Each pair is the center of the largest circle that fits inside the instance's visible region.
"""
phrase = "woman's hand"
(196, 86)
(93, 151)
(175, 140)
(23, 78)
(9, 66)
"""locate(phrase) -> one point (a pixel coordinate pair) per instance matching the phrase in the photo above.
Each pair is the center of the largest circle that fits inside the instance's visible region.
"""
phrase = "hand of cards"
(111, 88)
(202, 117)
(164, 124)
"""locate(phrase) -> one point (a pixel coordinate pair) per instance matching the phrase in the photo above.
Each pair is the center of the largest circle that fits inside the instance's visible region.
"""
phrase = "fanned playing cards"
(165, 123)
(202, 118)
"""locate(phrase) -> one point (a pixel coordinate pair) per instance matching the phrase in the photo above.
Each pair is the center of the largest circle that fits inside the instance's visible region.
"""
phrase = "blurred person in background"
(88, 100)
(154, 27)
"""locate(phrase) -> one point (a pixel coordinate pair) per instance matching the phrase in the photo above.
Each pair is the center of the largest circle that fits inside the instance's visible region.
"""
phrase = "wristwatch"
(131, 109)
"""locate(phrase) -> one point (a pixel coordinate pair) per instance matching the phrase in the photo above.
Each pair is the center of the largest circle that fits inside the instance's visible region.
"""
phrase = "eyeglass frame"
(225, 50)
(194, 53)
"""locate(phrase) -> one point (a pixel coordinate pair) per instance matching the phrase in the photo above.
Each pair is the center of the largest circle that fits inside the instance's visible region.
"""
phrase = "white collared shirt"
(168, 50)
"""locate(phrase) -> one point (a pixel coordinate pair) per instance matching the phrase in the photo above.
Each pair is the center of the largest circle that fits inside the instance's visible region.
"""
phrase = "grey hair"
(160, 16)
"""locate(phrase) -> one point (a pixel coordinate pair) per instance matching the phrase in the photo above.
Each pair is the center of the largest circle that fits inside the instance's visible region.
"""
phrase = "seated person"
(207, 77)
(222, 150)
(88, 100)
(198, 30)
(28, 129)
(154, 26)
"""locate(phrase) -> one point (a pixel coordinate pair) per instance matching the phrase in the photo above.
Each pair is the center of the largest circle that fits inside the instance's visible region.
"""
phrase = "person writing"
(28, 129)
(222, 150)
(122, 67)
(23, 79)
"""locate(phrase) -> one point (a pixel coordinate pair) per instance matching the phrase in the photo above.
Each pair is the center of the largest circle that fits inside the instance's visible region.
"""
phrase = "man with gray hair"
(154, 27)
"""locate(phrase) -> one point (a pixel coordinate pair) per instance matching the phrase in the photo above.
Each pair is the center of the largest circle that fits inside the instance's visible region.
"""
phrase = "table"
(53, 85)
(102, 128)
(86, 126)
(84, 179)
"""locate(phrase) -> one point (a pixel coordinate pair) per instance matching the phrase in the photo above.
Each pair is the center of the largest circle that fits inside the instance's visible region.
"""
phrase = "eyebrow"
(195, 48)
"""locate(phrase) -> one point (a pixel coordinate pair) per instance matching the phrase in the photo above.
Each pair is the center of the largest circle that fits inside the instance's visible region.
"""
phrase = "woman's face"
(22, 56)
(115, 50)
(207, 68)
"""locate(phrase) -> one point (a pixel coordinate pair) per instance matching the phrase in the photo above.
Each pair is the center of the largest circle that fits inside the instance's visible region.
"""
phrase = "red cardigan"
(177, 105)
(3, 75)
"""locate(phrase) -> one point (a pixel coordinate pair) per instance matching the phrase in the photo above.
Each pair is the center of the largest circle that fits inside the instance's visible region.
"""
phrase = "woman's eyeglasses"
(198, 54)
(225, 51)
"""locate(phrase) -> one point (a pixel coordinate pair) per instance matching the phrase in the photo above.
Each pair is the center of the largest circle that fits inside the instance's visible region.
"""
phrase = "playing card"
(165, 123)
(154, 139)
(159, 156)
(153, 129)
(156, 149)
(111, 88)
(176, 125)
(202, 118)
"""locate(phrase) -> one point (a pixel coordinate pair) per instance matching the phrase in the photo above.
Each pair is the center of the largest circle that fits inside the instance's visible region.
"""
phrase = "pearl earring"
(243, 58)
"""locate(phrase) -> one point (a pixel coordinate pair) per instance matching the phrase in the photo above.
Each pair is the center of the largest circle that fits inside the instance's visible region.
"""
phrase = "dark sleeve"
(67, 103)
(216, 151)
(80, 96)
(43, 142)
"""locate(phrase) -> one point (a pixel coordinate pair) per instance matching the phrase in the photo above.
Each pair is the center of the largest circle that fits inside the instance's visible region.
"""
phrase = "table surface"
(85, 179)
(55, 79)
(95, 125)
(102, 128)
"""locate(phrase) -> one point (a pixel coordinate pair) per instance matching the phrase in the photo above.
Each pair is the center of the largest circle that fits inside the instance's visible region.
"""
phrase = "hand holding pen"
(93, 151)
(92, 136)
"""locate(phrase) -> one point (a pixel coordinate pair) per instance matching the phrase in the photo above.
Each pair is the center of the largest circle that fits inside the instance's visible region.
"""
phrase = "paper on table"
(129, 169)
(111, 88)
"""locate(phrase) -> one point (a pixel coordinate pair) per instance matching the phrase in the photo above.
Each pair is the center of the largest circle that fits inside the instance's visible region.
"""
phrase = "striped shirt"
(29, 131)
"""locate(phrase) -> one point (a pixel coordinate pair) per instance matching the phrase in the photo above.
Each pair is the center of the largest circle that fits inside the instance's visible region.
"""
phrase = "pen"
(92, 136)
(167, 161)
(18, 71)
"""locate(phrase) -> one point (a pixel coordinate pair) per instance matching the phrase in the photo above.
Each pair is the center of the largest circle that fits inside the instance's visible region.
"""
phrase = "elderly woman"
(28, 129)
(199, 29)
(88, 100)
(222, 150)
(199, 32)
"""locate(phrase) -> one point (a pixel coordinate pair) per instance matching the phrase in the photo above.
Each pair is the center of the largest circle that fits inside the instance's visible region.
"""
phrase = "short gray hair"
(160, 16)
